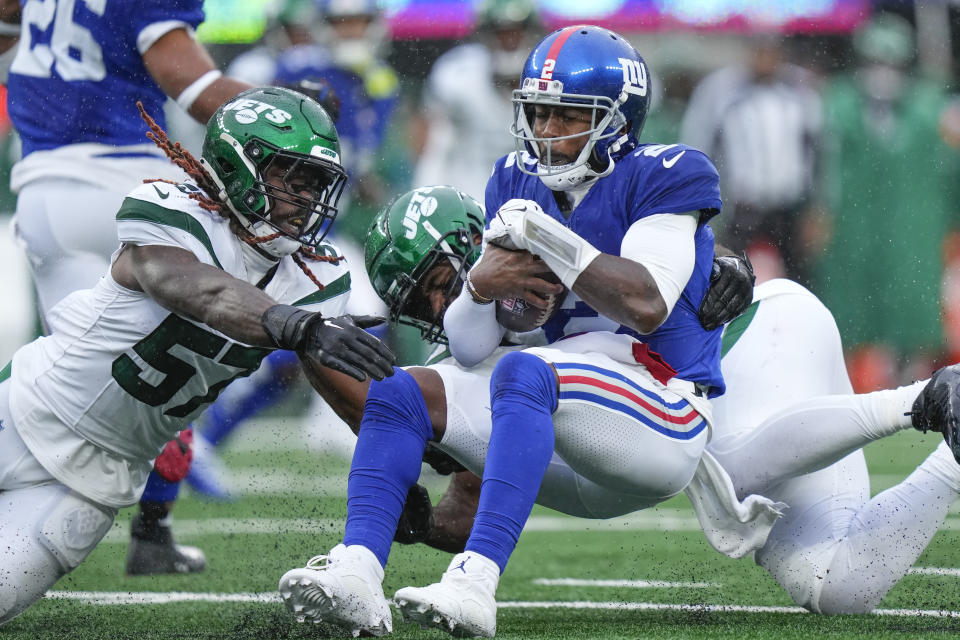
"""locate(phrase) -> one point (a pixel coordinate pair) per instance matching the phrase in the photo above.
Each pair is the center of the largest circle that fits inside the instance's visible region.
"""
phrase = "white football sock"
(811, 435)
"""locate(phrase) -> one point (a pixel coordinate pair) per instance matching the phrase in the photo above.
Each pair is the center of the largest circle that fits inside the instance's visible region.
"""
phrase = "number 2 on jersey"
(52, 37)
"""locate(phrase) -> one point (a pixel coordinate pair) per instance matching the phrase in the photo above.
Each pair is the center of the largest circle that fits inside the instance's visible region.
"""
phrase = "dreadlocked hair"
(208, 199)
(184, 159)
(309, 254)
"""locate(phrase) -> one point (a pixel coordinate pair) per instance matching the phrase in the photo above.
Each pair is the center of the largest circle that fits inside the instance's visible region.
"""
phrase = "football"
(518, 315)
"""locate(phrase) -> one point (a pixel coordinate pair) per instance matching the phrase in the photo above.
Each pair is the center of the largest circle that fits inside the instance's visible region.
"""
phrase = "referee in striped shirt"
(761, 123)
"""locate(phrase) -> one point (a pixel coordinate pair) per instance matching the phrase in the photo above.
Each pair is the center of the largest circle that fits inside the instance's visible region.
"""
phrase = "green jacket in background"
(893, 200)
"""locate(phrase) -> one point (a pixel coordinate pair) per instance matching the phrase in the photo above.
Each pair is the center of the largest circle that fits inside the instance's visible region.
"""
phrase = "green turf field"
(662, 579)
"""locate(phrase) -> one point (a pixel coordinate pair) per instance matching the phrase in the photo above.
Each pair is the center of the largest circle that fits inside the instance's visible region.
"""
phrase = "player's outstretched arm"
(177, 281)
(447, 525)
(186, 73)
(345, 395)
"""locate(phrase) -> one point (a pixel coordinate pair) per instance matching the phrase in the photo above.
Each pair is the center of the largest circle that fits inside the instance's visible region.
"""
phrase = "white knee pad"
(820, 579)
(804, 552)
(47, 531)
(73, 528)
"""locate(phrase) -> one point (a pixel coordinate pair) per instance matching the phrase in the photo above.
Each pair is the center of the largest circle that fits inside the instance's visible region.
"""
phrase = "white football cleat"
(343, 588)
(462, 603)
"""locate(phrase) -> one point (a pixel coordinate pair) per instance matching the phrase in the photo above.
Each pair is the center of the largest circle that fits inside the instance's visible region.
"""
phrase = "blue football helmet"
(585, 67)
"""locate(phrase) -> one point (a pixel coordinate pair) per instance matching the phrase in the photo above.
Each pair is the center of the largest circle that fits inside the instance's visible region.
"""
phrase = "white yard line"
(934, 571)
(150, 597)
(134, 598)
(630, 584)
(258, 481)
(711, 608)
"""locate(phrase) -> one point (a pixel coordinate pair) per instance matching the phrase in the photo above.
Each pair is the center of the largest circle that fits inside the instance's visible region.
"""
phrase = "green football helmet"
(273, 133)
(419, 230)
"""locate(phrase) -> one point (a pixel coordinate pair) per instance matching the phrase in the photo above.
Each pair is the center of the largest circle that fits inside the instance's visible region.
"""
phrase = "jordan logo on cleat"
(460, 566)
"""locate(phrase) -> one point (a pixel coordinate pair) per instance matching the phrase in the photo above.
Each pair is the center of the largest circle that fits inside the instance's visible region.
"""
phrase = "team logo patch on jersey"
(613, 391)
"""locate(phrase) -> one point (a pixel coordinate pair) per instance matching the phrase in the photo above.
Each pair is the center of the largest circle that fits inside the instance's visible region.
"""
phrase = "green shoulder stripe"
(134, 209)
(442, 355)
(5, 373)
(335, 288)
(736, 327)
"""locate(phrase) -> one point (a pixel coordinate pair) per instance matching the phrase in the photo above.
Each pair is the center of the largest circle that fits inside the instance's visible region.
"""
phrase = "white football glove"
(506, 228)
(523, 224)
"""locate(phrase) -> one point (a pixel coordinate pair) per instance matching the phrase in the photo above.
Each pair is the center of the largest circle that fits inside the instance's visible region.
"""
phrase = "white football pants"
(835, 550)
(46, 529)
(68, 229)
(608, 460)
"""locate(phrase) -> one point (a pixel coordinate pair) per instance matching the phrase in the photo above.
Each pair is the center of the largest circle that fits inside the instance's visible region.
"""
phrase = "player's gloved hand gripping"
(339, 343)
(523, 224)
(730, 292)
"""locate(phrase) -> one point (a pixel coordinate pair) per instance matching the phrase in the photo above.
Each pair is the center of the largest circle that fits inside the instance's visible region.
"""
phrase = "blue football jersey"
(649, 180)
(78, 73)
(367, 101)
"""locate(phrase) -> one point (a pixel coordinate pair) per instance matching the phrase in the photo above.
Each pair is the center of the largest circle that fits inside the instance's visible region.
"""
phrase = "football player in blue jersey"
(349, 57)
(73, 85)
(623, 227)
(624, 397)
(781, 354)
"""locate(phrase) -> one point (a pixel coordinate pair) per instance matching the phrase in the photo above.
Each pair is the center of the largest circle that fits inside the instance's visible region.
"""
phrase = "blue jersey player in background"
(621, 391)
(74, 83)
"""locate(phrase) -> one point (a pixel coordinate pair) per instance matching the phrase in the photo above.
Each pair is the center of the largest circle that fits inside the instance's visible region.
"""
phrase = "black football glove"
(416, 520)
(339, 343)
(441, 462)
(730, 292)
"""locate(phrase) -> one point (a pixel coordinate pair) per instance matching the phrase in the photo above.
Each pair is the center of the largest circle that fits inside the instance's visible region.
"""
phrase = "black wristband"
(284, 325)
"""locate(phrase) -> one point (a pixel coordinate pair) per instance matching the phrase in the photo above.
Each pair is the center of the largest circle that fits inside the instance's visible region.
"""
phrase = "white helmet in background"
(509, 29)
(354, 31)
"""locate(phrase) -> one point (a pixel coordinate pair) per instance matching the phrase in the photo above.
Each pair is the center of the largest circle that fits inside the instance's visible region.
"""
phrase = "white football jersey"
(120, 375)
(470, 119)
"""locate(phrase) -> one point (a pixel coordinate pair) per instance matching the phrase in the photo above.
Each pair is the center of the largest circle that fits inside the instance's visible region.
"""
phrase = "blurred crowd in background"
(834, 124)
